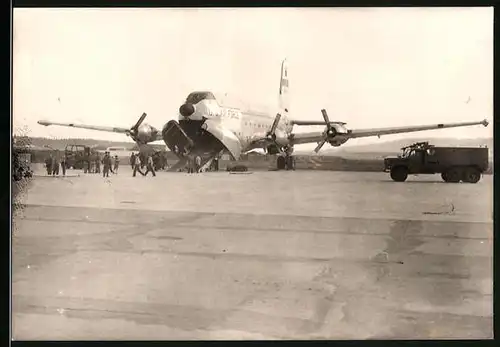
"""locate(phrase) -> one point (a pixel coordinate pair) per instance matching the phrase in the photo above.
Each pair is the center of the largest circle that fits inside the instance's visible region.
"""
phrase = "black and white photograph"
(271, 173)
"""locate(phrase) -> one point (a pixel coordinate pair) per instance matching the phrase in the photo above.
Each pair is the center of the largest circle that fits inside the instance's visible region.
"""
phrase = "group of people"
(53, 162)
(109, 163)
(137, 164)
(193, 164)
(91, 164)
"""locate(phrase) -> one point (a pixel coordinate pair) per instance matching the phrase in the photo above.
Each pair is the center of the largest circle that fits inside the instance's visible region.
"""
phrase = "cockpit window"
(196, 97)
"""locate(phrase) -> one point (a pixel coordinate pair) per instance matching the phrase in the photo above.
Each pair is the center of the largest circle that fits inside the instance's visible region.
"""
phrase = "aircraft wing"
(84, 126)
(342, 134)
(356, 133)
(152, 135)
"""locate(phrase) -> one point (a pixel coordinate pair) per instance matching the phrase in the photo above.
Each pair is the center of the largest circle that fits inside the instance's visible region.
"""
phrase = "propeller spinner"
(142, 133)
(329, 131)
(271, 134)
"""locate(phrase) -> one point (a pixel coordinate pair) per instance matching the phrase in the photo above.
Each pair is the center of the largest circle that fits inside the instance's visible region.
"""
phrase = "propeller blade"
(139, 122)
(320, 144)
(275, 124)
(325, 117)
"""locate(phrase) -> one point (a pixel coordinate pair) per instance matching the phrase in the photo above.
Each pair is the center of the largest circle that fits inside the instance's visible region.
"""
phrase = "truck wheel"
(471, 175)
(399, 174)
(453, 175)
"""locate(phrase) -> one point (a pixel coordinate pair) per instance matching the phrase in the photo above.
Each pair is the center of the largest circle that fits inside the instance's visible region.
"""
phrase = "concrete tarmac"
(268, 255)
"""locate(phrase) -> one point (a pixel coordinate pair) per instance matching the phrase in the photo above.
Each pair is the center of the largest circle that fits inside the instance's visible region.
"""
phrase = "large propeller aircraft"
(208, 127)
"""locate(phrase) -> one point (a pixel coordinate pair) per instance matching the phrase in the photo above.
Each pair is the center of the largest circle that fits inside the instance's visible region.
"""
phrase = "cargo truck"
(76, 155)
(455, 164)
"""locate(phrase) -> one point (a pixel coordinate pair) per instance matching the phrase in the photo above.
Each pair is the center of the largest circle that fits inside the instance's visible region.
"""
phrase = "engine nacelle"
(338, 141)
(146, 133)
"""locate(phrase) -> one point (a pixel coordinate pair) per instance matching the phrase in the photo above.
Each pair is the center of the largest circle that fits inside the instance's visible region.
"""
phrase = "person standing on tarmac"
(165, 161)
(97, 163)
(137, 165)
(190, 164)
(48, 165)
(55, 165)
(106, 165)
(92, 163)
(132, 160)
(198, 164)
(216, 163)
(63, 164)
(117, 163)
(150, 166)
(86, 164)
(111, 162)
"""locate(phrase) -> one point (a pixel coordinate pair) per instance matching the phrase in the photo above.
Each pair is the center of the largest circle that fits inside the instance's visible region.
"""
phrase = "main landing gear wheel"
(280, 163)
(399, 174)
(285, 162)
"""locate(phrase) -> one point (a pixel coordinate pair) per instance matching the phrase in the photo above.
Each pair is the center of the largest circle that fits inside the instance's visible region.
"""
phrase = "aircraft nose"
(186, 110)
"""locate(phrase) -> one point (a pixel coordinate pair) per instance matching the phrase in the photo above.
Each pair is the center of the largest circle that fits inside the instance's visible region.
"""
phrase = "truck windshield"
(406, 153)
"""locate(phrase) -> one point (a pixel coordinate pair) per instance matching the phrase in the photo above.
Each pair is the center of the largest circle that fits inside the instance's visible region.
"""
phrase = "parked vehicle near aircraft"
(76, 155)
(455, 164)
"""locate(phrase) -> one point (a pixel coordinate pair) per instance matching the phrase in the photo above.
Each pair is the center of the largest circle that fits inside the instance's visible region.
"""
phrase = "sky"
(369, 67)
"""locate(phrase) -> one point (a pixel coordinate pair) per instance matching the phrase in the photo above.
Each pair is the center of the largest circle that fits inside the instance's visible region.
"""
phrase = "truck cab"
(455, 164)
(76, 155)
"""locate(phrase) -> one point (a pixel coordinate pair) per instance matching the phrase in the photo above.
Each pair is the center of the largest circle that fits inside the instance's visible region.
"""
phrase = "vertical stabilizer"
(284, 85)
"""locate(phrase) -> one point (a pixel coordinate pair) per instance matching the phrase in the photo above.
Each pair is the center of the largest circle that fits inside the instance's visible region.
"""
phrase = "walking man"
(132, 160)
(117, 162)
(137, 165)
(150, 166)
(106, 165)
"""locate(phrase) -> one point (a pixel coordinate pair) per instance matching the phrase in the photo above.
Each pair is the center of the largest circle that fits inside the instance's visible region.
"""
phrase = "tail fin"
(283, 92)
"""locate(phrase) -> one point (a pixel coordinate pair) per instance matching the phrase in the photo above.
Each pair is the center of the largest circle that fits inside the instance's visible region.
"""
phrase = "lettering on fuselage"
(230, 113)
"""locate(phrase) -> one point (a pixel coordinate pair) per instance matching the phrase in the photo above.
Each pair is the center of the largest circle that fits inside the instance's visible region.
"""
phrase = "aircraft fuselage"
(246, 125)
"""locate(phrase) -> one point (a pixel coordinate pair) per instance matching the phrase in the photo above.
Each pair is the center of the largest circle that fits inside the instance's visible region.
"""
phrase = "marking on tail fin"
(284, 85)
